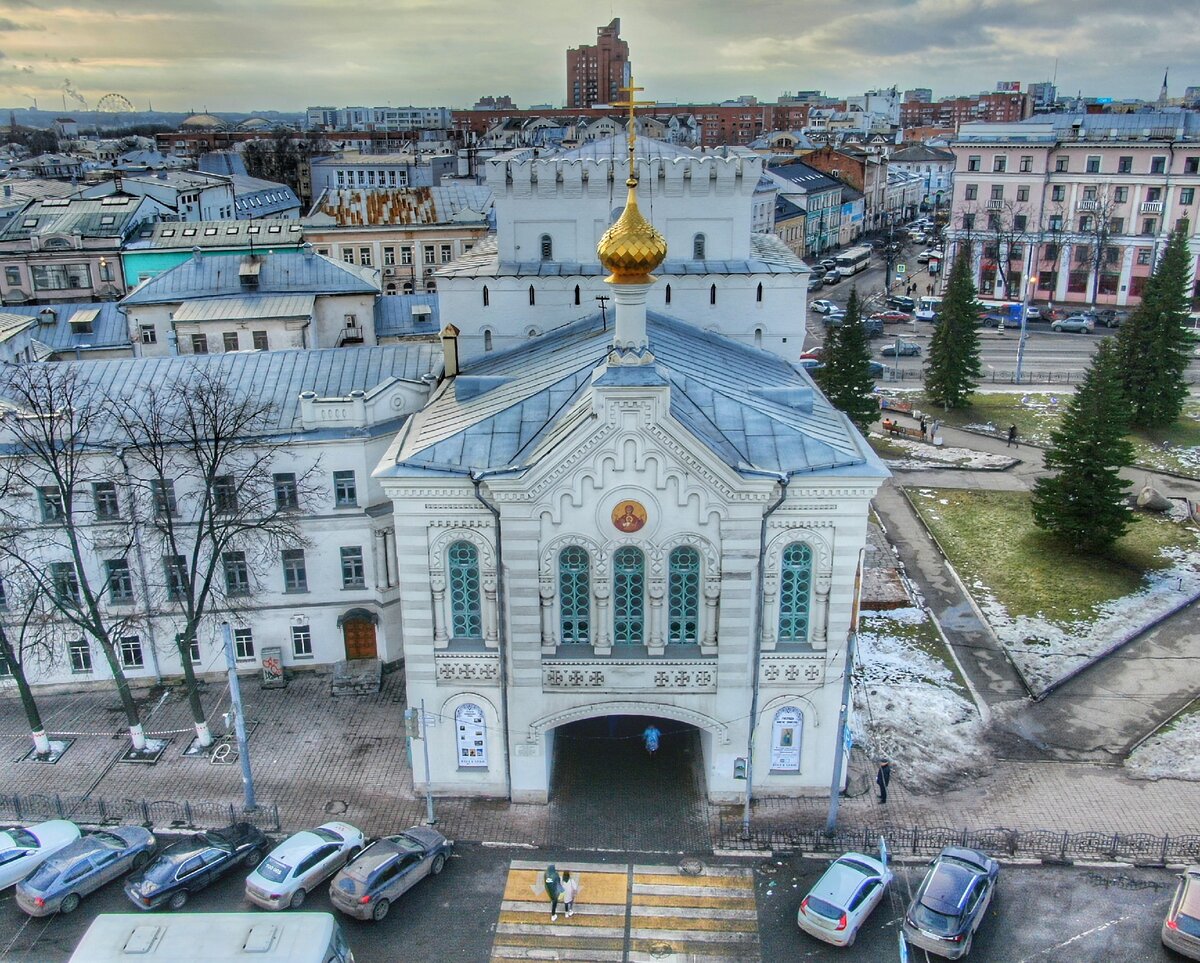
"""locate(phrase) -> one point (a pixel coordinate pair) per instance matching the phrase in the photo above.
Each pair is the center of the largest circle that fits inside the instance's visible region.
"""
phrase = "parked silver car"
(386, 870)
(83, 867)
(1181, 928)
(1079, 323)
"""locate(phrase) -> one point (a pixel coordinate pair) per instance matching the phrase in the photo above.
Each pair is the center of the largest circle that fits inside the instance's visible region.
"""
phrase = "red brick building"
(999, 108)
(596, 73)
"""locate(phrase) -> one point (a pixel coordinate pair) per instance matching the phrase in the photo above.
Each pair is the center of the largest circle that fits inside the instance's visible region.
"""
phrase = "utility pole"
(835, 787)
(604, 299)
(235, 697)
(430, 819)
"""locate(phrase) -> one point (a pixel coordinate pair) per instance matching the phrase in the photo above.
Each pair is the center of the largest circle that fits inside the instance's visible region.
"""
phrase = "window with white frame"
(302, 641)
(345, 489)
(119, 580)
(295, 574)
(131, 652)
(353, 570)
(80, 654)
(243, 643)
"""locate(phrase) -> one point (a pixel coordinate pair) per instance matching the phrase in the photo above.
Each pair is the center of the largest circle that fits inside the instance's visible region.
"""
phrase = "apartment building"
(1082, 204)
(998, 107)
(596, 72)
(377, 118)
(353, 169)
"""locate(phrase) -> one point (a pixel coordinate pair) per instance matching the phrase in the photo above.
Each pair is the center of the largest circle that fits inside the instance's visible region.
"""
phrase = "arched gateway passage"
(608, 792)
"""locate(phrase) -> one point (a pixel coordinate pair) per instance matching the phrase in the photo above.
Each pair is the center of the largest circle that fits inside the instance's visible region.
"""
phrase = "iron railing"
(162, 814)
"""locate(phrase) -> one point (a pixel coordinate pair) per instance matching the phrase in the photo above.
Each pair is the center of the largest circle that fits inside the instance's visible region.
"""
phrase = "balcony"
(1088, 205)
(995, 205)
(1152, 207)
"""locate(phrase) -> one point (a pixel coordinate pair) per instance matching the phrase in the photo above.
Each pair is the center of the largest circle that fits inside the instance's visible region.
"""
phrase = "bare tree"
(1007, 233)
(1094, 233)
(204, 466)
(60, 460)
(26, 644)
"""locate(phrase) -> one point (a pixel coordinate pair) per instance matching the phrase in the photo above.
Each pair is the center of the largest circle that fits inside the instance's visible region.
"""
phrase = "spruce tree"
(1153, 344)
(952, 370)
(846, 376)
(1084, 502)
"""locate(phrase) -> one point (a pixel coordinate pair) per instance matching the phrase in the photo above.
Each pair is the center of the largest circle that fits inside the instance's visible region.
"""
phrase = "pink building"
(1080, 204)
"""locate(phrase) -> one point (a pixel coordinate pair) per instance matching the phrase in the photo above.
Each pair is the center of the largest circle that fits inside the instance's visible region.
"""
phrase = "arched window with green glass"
(683, 593)
(574, 593)
(795, 593)
(466, 618)
(629, 597)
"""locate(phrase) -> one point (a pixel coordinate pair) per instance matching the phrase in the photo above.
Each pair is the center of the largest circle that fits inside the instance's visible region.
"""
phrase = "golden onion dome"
(631, 248)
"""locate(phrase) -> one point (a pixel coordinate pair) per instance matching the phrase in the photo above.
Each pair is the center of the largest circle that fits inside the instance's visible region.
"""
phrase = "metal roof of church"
(217, 276)
(275, 376)
(769, 256)
(752, 409)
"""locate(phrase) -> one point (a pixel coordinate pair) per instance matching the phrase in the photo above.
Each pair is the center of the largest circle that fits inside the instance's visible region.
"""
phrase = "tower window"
(547, 248)
(485, 296)
(532, 297)
(712, 294)
(698, 247)
(668, 294)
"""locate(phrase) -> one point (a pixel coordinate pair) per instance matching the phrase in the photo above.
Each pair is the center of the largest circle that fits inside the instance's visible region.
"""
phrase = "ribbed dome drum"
(631, 248)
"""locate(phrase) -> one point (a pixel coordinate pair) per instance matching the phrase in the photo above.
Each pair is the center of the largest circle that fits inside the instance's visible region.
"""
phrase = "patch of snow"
(1173, 753)
(1046, 651)
(908, 706)
(931, 456)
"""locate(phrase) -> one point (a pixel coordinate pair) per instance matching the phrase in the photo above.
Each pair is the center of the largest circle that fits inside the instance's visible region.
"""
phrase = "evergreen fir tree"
(846, 375)
(952, 371)
(1084, 502)
(1153, 344)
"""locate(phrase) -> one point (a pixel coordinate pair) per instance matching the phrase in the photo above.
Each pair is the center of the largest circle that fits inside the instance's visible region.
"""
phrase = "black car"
(903, 302)
(191, 864)
(951, 902)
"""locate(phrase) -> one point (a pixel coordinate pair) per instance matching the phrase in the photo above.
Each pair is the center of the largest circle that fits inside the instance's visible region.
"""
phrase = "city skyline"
(290, 54)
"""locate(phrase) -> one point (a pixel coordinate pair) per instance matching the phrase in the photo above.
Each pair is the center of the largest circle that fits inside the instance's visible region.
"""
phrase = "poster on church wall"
(785, 740)
(472, 736)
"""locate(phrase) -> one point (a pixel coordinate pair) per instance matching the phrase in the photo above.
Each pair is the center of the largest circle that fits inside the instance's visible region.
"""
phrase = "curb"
(970, 598)
(1161, 726)
(985, 714)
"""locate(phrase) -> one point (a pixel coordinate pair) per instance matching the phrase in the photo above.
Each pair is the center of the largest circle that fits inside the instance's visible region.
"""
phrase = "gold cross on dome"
(631, 103)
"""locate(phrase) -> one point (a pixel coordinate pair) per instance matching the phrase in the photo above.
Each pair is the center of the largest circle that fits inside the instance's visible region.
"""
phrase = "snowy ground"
(908, 705)
(1173, 753)
(925, 456)
(1045, 651)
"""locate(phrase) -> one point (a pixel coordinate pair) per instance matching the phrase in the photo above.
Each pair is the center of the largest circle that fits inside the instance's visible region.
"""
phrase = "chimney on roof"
(450, 349)
(307, 248)
(196, 254)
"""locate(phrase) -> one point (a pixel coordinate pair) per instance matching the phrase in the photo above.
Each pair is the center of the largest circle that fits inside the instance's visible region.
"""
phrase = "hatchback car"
(843, 898)
(821, 306)
(1181, 928)
(23, 850)
(902, 349)
(301, 863)
(83, 867)
(191, 864)
(831, 278)
(813, 354)
(902, 302)
(814, 282)
(1076, 322)
(386, 869)
(951, 902)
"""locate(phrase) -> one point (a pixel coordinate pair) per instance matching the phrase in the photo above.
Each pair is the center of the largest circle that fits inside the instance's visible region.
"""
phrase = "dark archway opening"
(607, 791)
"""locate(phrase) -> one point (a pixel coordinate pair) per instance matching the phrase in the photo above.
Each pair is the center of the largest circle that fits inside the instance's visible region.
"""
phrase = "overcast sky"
(239, 55)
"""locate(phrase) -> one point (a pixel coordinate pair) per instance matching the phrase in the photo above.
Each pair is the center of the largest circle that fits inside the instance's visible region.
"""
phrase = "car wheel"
(69, 904)
(254, 857)
(380, 910)
(178, 900)
(297, 899)
(140, 860)
(439, 863)
(1056, 327)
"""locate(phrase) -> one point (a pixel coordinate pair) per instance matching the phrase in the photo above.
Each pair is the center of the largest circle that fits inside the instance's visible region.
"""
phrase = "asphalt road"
(1040, 915)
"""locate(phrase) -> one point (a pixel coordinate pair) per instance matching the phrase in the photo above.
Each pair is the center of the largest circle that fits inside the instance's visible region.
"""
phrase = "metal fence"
(1143, 848)
(1002, 376)
(161, 814)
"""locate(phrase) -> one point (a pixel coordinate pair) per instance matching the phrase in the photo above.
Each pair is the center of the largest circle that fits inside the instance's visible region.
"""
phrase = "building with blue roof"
(627, 511)
(261, 301)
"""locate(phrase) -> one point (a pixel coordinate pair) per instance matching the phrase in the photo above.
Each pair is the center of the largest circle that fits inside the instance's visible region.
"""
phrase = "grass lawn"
(991, 539)
(1036, 414)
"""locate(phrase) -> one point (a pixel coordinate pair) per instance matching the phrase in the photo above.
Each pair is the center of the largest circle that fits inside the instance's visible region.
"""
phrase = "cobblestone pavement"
(316, 756)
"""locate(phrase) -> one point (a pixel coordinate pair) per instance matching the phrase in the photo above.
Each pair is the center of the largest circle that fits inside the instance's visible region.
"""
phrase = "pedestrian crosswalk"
(632, 914)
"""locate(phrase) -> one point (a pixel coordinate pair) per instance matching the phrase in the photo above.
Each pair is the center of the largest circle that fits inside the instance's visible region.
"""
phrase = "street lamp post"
(1024, 318)
(235, 698)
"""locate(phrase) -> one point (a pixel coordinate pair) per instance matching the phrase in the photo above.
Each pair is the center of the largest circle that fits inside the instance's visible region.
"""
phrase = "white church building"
(644, 511)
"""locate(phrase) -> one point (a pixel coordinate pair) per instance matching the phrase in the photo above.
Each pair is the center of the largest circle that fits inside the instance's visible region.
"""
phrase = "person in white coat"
(570, 889)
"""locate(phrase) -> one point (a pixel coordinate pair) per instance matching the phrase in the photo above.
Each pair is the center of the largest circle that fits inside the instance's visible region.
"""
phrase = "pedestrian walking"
(929, 289)
(924, 429)
(882, 778)
(554, 889)
(570, 889)
(934, 427)
(1012, 437)
(650, 737)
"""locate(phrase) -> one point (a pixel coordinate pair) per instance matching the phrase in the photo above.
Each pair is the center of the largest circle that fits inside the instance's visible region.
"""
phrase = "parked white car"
(821, 306)
(842, 899)
(302, 862)
(24, 850)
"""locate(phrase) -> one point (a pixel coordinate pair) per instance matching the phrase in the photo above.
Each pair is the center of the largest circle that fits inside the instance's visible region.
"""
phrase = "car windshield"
(821, 908)
(861, 867)
(932, 920)
(23, 838)
(274, 870)
(407, 843)
(43, 876)
(328, 835)
(109, 839)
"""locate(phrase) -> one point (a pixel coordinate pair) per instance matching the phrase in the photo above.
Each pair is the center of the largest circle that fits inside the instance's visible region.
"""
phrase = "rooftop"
(105, 326)
(352, 207)
(407, 315)
(185, 235)
(73, 216)
(751, 408)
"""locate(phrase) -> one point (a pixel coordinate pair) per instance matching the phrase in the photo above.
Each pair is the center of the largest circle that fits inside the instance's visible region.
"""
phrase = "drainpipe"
(839, 752)
(141, 560)
(783, 480)
(477, 478)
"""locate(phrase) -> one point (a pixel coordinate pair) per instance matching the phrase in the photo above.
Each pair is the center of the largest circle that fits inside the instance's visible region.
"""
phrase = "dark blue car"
(188, 866)
(951, 902)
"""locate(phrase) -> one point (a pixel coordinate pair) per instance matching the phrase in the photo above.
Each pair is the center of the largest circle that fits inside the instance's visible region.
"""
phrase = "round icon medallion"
(629, 516)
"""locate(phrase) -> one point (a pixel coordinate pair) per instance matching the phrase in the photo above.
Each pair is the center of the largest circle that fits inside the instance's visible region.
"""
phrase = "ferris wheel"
(114, 104)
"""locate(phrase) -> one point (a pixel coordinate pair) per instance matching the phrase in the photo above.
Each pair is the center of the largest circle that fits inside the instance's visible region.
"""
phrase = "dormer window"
(698, 247)
(547, 248)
